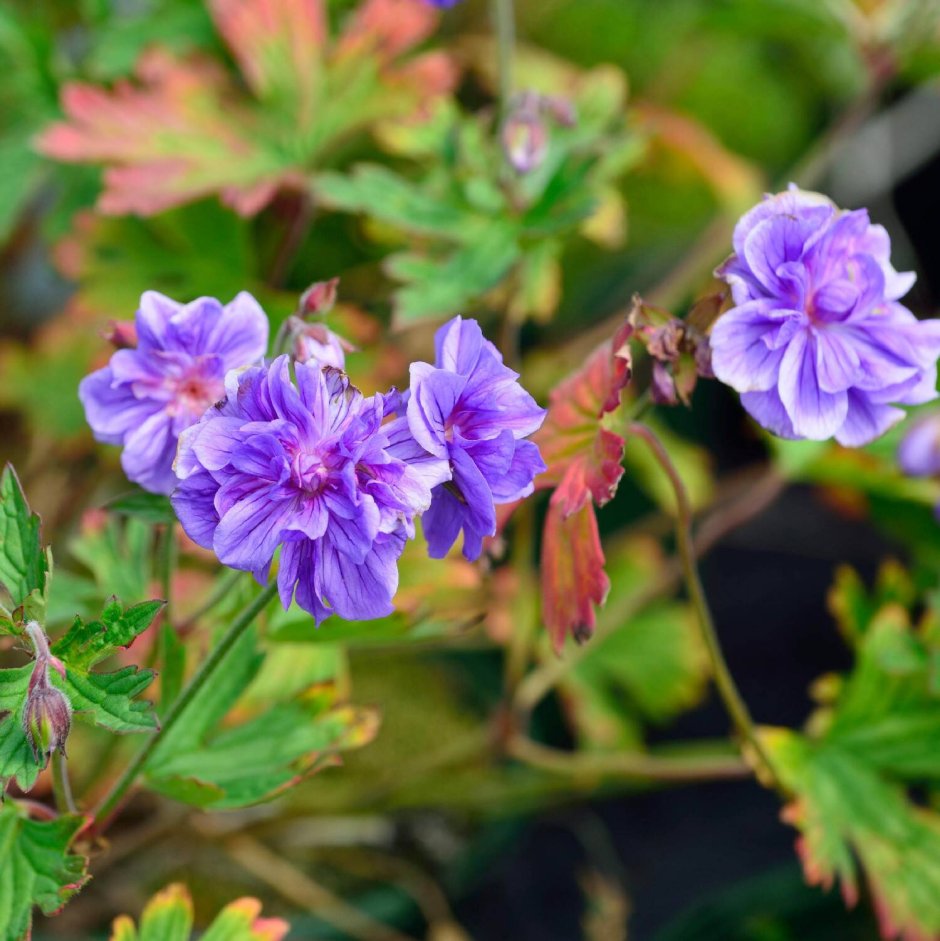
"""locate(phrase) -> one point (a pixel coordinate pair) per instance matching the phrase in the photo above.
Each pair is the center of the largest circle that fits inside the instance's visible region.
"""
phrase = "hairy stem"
(727, 689)
(61, 787)
(199, 679)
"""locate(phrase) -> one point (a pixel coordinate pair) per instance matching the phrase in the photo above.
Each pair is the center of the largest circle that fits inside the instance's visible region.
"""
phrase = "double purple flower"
(817, 343)
(470, 410)
(147, 396)
(312, 469)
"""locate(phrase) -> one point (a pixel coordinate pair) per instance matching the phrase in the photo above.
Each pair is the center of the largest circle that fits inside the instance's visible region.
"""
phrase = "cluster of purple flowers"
(817, 342)
(289, 457)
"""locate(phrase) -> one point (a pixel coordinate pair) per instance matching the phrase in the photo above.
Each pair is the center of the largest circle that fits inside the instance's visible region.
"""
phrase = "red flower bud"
(318, 299)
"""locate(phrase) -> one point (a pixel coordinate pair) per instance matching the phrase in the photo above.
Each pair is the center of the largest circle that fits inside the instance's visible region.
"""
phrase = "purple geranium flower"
(312, 469)
(817, 343)
(470, 409)
(146, 396)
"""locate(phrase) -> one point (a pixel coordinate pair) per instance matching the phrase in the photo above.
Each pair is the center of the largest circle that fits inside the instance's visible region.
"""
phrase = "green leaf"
(846, 811)
(37, 869)
(17, 761)
(24, 566)
(109, 699)
(86, 644)
(149, 507)
(202, 762)
(434, 287)
(392, 199)
(168, 916)
(642, 666)
(877, 732)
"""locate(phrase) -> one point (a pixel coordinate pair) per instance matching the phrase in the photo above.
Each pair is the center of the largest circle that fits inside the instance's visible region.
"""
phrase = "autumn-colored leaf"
(573, 577)
(583, 457)
(183, 128)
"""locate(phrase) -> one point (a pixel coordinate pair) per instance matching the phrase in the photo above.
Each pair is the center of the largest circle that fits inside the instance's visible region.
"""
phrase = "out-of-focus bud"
(47, 716)
(316, 342)
(679, 348)
(525, 139)
(319, 299)
(122, 334)
(525, 132)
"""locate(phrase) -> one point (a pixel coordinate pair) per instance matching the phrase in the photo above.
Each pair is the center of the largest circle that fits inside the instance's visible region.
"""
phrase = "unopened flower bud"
(47, 715)
(319, 299)
(122, 334)
(525, 139)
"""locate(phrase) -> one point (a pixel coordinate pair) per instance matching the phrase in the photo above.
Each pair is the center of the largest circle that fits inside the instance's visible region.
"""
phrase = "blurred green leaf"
(207, 763)
(168, 916)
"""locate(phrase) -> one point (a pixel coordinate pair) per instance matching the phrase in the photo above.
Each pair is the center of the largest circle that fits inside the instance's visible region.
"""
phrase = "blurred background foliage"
(687, 111)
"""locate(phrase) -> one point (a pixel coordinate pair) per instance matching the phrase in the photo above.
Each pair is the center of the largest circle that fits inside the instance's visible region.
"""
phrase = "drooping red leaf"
(583, 457)
(573, 577)
(182, 129)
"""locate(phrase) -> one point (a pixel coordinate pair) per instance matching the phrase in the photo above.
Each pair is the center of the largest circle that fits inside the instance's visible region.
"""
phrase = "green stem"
(504, 25)
(205, 672)
(727, 689)
(629, 765)
(61, 787)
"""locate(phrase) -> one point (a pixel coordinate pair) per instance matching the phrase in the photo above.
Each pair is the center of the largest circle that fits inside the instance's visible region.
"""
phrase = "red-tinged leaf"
(279, 46)
(583, 458)
(166, 139)
(185, 128)
(388, 27)
(573, 577)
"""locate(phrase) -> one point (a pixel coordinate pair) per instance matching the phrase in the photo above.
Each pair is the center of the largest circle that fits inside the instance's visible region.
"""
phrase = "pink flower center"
(308, 472)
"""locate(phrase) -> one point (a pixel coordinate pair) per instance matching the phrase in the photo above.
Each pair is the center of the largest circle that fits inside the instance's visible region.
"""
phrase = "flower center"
(308, 472)
(195, 391)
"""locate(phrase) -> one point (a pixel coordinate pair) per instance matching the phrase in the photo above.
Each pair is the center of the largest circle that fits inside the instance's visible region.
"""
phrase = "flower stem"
(205, 672)
(61, 787)
(504, 25)
(630, 765)
(727, 689)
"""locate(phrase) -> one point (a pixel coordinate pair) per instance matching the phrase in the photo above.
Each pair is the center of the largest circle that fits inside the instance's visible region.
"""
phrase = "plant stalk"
(727, 689)
(199, 679)
(61, 787)
(504, 26)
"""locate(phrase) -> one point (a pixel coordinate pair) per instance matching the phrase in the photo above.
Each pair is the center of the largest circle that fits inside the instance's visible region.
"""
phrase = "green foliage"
(471, 221)
(24, 564)
(877, 732)
(643, 665)
(168, 916)
(204, 762)
(37, 868)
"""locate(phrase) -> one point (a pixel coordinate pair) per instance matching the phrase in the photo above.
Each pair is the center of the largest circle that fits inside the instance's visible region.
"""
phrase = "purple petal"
(865, 420)
(112, 410)
(815, 414)
(434, 394)
(148, 454)
(919, 451)
(194, 503)
(767, 409)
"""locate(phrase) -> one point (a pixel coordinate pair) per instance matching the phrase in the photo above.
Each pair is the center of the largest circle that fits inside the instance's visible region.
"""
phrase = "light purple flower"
(817, 343)
(470, 410)
(919, 451)
(316, 342)
(146, 396)
(311, 469)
